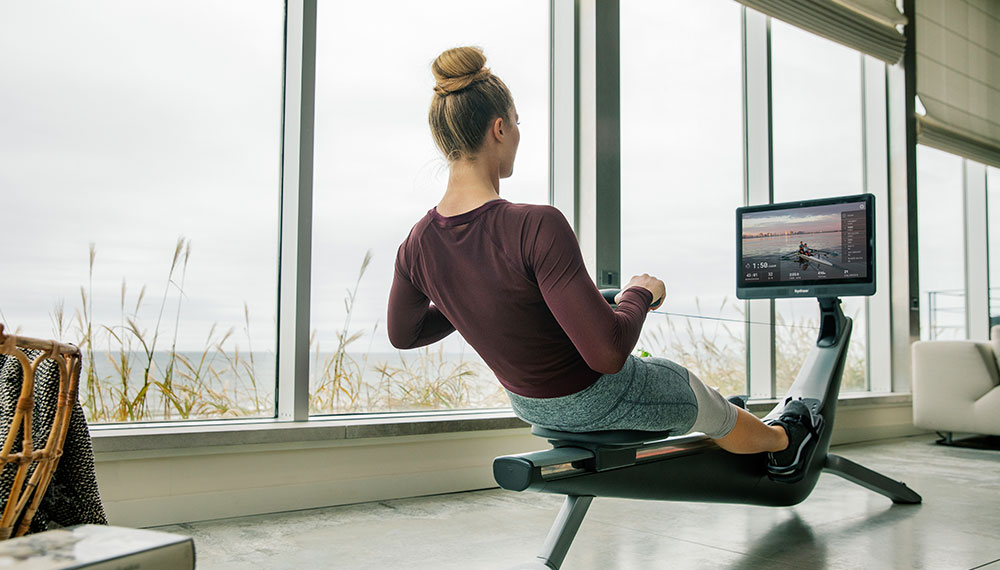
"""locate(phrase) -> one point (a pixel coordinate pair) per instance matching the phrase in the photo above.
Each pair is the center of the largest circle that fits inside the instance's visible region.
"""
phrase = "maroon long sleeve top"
(511, 279)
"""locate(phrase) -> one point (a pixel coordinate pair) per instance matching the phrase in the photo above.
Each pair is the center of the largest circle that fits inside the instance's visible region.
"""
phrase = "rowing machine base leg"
(561, 534)
(874, 481)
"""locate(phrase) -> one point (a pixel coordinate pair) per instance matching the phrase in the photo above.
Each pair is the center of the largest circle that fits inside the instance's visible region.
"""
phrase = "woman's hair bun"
(467, 99)
(457, 68)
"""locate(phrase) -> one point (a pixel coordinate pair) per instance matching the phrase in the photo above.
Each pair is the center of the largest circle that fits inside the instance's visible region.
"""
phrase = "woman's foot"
(803, 427)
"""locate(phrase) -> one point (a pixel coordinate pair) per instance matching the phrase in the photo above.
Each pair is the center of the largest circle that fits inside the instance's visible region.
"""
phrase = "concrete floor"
(840, 525)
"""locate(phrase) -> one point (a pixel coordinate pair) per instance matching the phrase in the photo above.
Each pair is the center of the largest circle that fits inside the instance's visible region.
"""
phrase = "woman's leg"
(733, 429)
(750, 435)
(789, 441)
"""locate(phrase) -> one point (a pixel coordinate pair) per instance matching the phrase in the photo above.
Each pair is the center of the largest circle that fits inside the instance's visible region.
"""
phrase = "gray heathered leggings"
(652, 394)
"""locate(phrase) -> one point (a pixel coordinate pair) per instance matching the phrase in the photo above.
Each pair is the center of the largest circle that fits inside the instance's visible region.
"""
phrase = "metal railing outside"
(946, 313)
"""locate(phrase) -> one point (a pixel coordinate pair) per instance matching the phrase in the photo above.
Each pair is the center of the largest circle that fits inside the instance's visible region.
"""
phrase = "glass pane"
(682, 179)
(378, 171)
(139, 161)
(941, 244)
(817, 154)
(993, 227)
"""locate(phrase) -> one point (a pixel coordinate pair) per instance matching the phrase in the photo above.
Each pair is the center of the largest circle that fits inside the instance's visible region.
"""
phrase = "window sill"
(849, 400)
(183, 437)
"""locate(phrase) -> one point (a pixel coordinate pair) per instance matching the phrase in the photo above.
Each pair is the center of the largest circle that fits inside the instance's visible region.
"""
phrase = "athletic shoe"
(803, 428)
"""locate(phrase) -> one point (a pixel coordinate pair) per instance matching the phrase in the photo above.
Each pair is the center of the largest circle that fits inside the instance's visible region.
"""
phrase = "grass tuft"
(144, 382)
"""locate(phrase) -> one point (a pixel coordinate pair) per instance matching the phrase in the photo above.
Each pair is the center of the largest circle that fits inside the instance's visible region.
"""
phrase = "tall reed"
(423, 379)
(713, 350)
(796, 337)
(336, 380)
(429, 379)
(209, 385)
(221, 380)
(93, 403)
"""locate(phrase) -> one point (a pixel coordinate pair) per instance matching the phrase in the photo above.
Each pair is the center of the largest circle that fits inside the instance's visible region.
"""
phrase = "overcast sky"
(820, 219)
(132, 124)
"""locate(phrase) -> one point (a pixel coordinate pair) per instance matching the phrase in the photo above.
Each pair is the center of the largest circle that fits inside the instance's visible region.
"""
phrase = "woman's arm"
(604, 337)
(413, 321)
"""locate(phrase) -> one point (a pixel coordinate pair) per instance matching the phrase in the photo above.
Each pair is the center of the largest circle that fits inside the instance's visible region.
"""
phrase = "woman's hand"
(651, 284)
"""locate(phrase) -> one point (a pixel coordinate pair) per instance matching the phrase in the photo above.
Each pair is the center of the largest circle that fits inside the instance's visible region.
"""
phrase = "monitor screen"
(812, 248)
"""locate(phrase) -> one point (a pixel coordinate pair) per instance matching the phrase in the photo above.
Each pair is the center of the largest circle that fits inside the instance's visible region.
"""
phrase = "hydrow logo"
(801, 290)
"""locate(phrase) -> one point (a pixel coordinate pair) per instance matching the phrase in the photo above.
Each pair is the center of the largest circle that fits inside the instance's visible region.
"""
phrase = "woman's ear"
(498, 129)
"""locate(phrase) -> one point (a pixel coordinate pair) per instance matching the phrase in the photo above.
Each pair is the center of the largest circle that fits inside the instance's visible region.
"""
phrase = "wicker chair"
(35, 467)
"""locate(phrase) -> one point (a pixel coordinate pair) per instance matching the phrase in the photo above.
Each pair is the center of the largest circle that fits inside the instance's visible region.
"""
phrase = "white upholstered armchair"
(955, 385)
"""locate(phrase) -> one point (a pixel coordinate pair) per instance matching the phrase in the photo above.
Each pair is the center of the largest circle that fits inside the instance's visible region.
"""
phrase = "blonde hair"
(467, 99)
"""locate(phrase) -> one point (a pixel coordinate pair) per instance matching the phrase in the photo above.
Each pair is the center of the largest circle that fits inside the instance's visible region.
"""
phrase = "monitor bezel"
(857, 286)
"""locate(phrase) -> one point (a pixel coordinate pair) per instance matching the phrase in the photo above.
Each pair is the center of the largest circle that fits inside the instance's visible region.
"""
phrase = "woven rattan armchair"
(35, 467)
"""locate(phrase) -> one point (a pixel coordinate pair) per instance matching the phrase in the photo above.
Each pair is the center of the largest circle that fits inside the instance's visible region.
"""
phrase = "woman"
(511, 279)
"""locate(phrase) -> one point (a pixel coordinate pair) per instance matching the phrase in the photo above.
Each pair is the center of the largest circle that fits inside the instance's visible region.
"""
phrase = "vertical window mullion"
(876, 178)
(977, 295)
(296, 210)
(562, 109)
(902, 247)
(599, 163)
(758, 181)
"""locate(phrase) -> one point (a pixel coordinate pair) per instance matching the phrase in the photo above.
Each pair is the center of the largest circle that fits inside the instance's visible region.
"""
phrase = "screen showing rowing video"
(810, 244)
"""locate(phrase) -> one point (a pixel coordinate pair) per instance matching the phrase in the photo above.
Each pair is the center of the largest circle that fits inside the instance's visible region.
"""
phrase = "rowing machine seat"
(611, 438)
(611, 449)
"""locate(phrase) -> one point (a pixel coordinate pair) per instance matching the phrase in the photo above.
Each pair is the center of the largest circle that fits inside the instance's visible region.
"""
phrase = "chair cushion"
(955, 386)
(986, 412)
(995, 336)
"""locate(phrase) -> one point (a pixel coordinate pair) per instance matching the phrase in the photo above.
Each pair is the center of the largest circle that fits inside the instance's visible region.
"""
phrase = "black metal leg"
(563, 531)
(895, 490)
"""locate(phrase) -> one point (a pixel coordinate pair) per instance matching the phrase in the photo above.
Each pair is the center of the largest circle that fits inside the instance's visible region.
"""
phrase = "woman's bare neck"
(469, 187)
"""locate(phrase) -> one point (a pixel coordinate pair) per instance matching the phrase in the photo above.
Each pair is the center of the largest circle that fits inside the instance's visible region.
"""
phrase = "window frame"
(295, 259)
(574, 28)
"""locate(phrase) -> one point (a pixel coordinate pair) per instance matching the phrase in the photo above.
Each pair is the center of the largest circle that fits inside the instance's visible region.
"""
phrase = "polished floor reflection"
(840, 525)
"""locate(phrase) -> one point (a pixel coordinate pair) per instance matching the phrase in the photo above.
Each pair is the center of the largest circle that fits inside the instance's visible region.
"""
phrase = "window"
(941, 234)
(165, 156)
(817, 154)
(140, 153)
(377, 172)
(681, 179)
